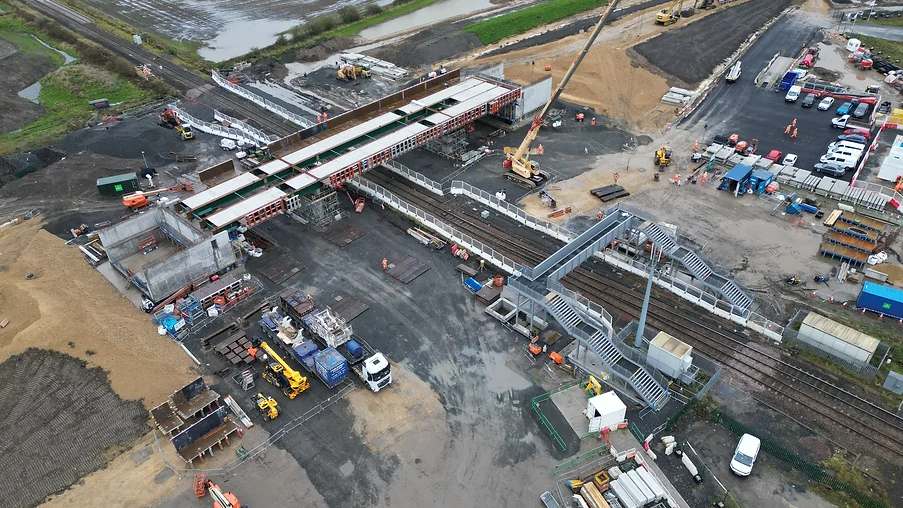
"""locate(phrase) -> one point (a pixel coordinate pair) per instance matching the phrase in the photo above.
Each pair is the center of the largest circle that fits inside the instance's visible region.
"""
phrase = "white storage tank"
(670, 355)
(605, 411)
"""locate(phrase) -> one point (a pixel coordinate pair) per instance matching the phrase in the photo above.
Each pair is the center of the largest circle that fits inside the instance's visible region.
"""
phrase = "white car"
(826, 104)
(745, 455)
(789, 159)
(840, 122)
(228, 144)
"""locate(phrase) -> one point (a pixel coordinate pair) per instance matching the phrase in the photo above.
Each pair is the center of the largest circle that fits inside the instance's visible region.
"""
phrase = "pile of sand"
(70, 307)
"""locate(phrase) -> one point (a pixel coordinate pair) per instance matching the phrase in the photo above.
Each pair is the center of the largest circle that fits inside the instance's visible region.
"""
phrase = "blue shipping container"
(881, 299)
(331, 367)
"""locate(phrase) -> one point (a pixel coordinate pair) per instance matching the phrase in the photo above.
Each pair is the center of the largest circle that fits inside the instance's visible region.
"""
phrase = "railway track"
(797, 389)
(175, 75)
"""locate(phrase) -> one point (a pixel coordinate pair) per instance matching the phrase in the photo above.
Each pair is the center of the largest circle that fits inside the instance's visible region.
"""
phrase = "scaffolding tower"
(450, 146)
(320, 209)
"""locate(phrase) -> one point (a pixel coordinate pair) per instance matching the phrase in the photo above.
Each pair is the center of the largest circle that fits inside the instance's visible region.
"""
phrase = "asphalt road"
(762, 114)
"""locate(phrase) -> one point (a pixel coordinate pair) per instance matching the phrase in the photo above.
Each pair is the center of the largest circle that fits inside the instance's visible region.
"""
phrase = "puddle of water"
(238, 37)
(67, 58)
(499, 378)
(431, 14)
(32, 93)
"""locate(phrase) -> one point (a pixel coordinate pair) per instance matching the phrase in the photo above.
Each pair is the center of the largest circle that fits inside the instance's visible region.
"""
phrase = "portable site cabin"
(884, 300)
(118, 184)
(760, 179)
(736, 180)
(605, 411)
(837, 339)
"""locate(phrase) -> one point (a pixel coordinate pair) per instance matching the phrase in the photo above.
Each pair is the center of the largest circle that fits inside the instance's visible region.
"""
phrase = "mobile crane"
(670, 14)
(221, 499)
(280, 374)
(524, 172)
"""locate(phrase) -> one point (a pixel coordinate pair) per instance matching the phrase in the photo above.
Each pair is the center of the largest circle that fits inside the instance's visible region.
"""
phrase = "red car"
(859, 131)
(774, 156)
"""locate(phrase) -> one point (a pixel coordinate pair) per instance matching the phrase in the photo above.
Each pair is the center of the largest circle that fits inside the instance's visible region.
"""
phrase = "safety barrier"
(235, 123)
(217, 130)
(713, 304)
(539, 399)
(512, 211)
(260, 101)
(415, 177)
(430, 221)
(895, 198)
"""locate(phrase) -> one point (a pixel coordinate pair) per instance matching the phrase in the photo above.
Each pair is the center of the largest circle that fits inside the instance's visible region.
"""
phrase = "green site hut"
(118, 184)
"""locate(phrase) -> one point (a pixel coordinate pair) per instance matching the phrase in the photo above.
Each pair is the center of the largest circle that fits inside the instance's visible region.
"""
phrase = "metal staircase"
(650, 385)
(696, 266)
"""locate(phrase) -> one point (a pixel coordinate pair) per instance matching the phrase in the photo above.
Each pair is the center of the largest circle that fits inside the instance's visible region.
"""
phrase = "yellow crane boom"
(282, 375)
(520, 159)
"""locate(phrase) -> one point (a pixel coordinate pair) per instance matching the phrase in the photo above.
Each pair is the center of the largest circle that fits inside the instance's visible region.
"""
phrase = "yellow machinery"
(593, 386)
(281, 375)
(267, 406)
(524, 172)
(663, 156)
(670, 14)
(351, 73)
(171, 120)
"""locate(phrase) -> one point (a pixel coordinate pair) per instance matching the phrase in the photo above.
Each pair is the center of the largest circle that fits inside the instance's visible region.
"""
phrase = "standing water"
(431, 14)
(67, 58)
(238, 37)
(32, 93)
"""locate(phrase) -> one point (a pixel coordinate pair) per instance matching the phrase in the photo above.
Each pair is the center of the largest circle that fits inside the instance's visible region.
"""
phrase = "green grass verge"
(495, 29)
(891, 21)
(65, 92)
(355, 28)
(889, 49)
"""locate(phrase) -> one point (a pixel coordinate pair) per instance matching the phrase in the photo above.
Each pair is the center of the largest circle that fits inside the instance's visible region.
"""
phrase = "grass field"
(495, 29)
(65, 92)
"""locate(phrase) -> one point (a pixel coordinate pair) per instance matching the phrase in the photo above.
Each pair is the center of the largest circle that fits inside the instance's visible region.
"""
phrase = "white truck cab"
(375, 371)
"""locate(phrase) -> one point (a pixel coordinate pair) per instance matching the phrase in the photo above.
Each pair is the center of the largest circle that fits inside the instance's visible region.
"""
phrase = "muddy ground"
(692, 52)
(19, 71)
(60, 421)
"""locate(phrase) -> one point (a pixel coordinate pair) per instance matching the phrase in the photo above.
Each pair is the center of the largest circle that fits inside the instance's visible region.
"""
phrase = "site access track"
(178, 77)
(795, 391)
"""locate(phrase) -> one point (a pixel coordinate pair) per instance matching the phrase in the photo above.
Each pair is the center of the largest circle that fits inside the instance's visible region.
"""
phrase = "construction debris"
(375, 65)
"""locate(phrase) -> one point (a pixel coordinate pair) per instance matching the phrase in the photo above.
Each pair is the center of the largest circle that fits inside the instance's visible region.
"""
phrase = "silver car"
(826, 104)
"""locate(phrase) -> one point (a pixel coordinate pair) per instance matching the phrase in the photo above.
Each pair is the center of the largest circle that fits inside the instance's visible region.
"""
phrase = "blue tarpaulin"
(472, 284)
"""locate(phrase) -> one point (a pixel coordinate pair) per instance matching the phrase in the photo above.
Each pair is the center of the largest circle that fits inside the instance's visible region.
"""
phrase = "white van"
(840, 145)
(793, 94)
(844, 161)
(843, 152)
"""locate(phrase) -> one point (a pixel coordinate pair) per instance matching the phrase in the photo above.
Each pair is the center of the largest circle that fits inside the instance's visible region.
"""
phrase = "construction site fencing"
(235, 123)
(814, 472)
(347, 387)
(539, 399)
(512, 211)
(689, 292)
(218, 130)
(476, 247)
(269, 105)
(415, 177)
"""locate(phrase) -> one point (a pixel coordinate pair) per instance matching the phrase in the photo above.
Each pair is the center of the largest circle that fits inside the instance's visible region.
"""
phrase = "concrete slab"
(120, 283)
(138, 262)
(572, 404)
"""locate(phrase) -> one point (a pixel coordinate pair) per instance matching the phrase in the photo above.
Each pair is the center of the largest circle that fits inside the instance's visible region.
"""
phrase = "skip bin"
(330, 366)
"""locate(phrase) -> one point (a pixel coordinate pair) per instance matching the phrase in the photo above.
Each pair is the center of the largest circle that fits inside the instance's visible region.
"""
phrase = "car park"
(854, 138)
(826, 104)
(789, 159)
(829, 169)
(861, 110)
(840, 122)
(844, 108)
(774, 156)
(745, 455)
(809, 100)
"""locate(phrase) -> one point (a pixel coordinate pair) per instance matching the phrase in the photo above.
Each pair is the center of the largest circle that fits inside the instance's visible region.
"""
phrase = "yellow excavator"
(267, 406)
(280, 374)
(351, 73)
(663, 156)
(670, 14)
(524, 172)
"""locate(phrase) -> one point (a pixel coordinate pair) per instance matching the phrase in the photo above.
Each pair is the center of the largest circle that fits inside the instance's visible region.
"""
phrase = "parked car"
(840, 122)
(793, 94)
(853, 138)
(789, 159)
(844, 108)
(861, 110)
(848, 145)
(745, 455)
(774, 156)
(859, 131)
(829, 169)
(826, 104)
(809, 100)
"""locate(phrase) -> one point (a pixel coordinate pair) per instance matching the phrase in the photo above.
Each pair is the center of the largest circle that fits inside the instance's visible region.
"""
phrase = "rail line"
(175, 75)
(833, 404)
